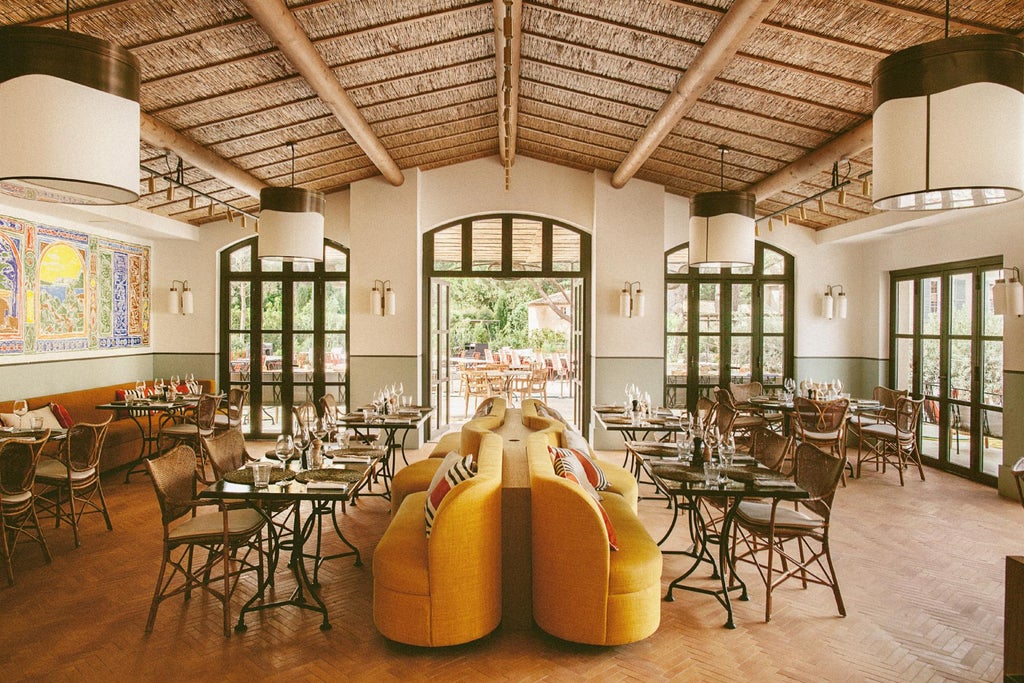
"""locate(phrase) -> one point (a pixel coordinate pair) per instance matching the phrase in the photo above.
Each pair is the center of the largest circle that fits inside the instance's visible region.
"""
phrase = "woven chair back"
(237, 397)
(741, 393)
(770, 448)
(226, 450)
(820, 416)
(887, 397)
(305, 416)
(329, 407)
(706, 407)
(907, 417)
(818, 473)
(174, 480)
(83, 445)
(206, 411)
(18, 459)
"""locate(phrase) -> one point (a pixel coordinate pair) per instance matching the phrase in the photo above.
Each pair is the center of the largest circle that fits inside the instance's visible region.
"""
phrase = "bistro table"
(148, 407)
(753, 481)
(323, 488)
(29, 433)
(405, 421)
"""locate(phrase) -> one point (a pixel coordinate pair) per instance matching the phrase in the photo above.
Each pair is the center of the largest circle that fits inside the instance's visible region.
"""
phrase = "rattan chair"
(193, 428)
(886, 398)
(305, 417)
(230, 417)
(75, 471)
(823, 424)
(745, 421)
(1018, 478)
(770, 449)
(222, 538)
(706, 409)
(329, 410)
(894, 441)
(18, 460)
(765, 528)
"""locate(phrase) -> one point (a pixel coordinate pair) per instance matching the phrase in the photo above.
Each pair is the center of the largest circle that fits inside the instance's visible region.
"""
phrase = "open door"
(439, 385)
(578, 356)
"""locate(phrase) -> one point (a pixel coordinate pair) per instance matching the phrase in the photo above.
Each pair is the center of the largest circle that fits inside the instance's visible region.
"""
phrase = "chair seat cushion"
(241, 522)
(882, 430)
(808, 435)
(50, 469)
(19, 497)
(222, 420)
(754, 513)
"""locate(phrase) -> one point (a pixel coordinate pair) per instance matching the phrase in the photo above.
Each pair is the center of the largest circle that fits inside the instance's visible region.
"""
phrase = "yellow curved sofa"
(582, 590)
(417, 476)
(621, 480)
(446, 589)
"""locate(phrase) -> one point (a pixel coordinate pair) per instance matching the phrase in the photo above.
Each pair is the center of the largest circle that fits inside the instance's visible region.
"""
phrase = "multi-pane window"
(284, 332)
(726, 325)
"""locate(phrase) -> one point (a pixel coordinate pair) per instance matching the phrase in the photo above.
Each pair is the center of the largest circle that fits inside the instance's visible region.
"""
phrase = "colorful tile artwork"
(65, 290)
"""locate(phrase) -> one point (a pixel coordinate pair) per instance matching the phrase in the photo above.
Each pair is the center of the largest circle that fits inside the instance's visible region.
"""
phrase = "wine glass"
(175, 381)
(140, 388)
(302, 439)
(789, 384)
(284, 448)
(837, 384)
(20, 409)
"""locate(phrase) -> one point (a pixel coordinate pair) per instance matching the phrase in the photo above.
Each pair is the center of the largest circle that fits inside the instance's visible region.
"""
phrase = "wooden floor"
(921, 570)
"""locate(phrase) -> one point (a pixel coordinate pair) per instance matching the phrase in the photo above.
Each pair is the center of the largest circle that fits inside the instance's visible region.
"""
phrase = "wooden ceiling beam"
(848, 144)
(280, 24)
(742, 19)
(508, 27)
(160, 135)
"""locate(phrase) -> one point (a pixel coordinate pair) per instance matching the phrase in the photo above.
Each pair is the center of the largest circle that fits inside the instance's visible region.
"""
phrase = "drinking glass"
(140, 388)
(684, 445)
(158, 383)
(20, 409)
(284, 448)
(727, 450)
(789, 384)
(710, 473)
(175, 381)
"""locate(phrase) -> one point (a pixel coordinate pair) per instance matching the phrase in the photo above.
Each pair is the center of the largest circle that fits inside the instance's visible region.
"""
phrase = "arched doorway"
(283, 332)
(553, 256)
(727, 325)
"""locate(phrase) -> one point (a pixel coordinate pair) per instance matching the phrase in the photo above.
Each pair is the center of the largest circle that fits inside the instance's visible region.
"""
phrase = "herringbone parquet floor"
(921, 570)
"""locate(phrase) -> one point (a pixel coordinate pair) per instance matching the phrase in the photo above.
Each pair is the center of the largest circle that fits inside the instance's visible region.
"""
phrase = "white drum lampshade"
(69, 117)
(948, 127)
(291, 224)
(722, 229)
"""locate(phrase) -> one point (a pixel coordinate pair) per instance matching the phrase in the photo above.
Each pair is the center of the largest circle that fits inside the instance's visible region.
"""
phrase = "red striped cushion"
(62, 415)
(453, 471)
(594, 473)
(569, 467)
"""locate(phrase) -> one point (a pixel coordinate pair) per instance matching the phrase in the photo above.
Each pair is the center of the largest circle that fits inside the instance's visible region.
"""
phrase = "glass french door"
(439, 387)
(284, 333)
(947, 345)
(726, 325)
(577, 353)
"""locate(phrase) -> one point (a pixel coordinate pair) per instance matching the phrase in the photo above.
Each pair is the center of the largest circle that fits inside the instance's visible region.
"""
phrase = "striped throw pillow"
(568, 467)
(595, 475)
(452, 472)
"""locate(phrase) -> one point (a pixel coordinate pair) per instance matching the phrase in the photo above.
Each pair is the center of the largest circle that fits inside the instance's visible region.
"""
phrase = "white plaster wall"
(677, 221)
(477, 187)
(386, 245)
(953, 236)
(629, 246)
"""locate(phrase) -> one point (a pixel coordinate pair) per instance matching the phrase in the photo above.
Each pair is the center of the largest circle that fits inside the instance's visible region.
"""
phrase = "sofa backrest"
(551, 427)
(474, 430)
(81, 404)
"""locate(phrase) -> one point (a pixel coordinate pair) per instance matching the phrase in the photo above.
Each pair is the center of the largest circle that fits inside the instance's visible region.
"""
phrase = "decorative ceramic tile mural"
(65, 290)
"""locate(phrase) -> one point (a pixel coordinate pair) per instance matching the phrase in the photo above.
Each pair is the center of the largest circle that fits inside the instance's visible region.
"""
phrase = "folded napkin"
(348, 460)
(776, 484)
(332, 485)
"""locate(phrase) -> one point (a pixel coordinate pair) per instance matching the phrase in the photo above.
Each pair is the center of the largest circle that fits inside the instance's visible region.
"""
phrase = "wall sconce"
(382, 298)
(833, 304)
(1008, 294)
(631, 300)
(179, 299)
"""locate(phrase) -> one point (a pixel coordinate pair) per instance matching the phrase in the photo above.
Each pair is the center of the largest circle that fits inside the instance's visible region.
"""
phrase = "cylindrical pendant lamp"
(948, 126)
(722, 229)
(291, 224)
(69, 117)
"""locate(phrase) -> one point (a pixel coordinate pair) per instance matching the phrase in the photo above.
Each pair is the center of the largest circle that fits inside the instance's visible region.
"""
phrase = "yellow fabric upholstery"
(417, 476)
(582, 591)
(444, 590)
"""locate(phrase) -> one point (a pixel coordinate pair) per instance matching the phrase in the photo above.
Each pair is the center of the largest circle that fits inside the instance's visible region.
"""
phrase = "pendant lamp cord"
(721, 168)
(291, 146)
(67, 15)
(947, 19)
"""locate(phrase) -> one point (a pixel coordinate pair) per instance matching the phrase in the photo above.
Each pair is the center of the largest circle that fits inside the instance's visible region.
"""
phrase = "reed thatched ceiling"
(588, 77)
